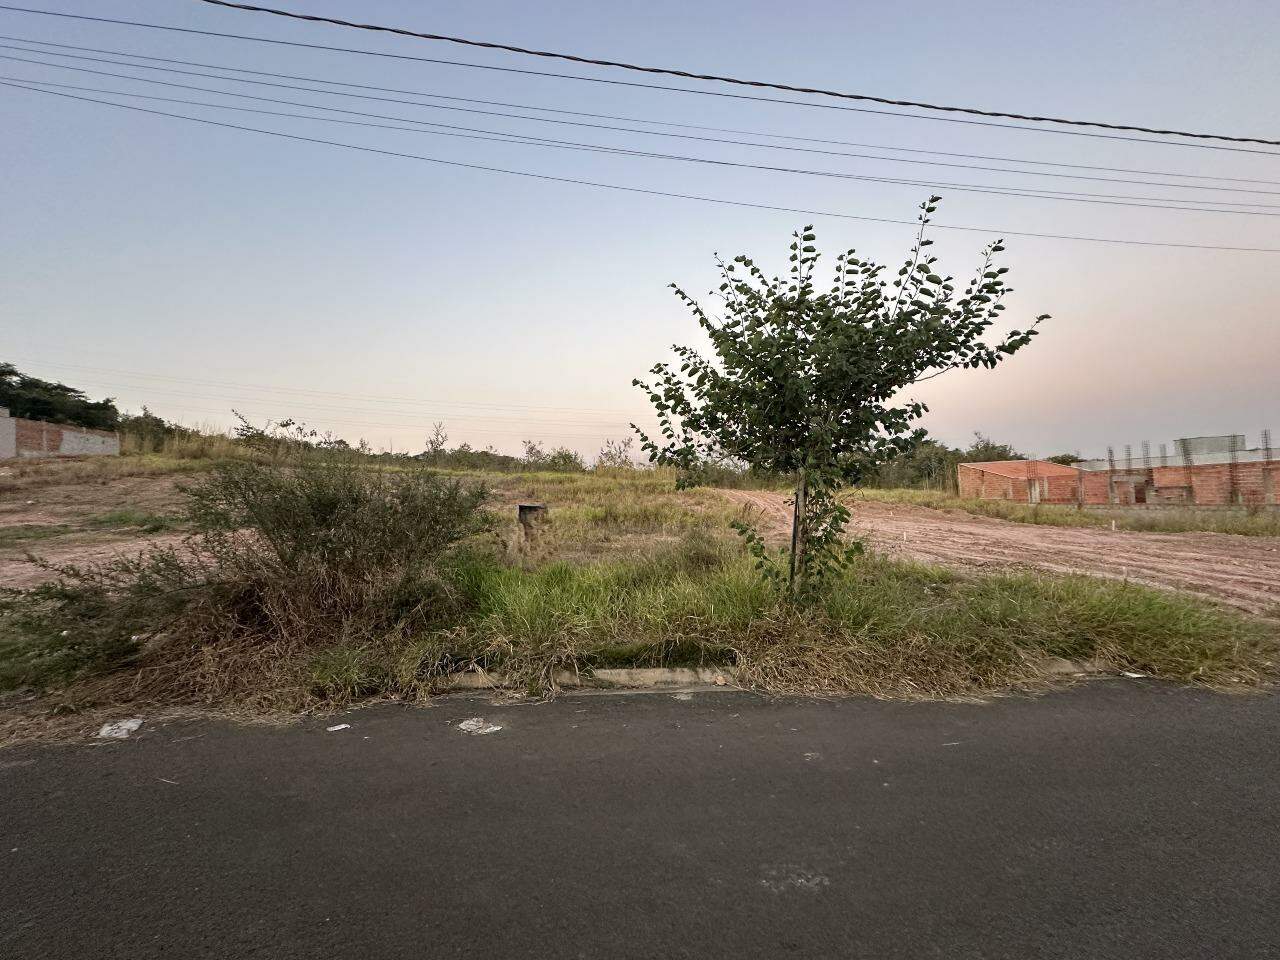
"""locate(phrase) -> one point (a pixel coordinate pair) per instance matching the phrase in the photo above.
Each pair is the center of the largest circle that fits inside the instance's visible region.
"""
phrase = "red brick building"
(1204, 471)
(1023, 481)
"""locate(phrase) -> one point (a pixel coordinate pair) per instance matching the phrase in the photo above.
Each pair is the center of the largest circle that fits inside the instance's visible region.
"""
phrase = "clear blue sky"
(248, 269)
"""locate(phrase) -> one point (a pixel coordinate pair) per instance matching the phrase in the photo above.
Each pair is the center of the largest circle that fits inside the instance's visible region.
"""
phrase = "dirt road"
(1241, 571)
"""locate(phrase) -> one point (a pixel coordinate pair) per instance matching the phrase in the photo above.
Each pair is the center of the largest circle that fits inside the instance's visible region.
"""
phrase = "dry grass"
(632, 573)
(1243, 521)
(21, 476)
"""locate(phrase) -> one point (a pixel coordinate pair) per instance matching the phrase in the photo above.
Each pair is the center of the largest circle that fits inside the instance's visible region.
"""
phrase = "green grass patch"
(886, 628)
(143, 520)
(23, 534)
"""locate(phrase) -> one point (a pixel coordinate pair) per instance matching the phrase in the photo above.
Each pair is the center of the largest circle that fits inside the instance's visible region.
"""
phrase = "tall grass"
(886, 628)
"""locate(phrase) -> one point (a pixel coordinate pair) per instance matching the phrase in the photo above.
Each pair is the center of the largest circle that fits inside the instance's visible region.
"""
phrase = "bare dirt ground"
(1243, 572)
(72, 508)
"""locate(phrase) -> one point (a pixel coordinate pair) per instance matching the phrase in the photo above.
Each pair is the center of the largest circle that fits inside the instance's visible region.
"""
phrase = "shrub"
(284, 560)
(556, 460)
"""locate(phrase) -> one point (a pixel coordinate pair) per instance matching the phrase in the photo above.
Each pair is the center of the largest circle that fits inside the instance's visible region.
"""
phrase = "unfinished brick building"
(1204, 471)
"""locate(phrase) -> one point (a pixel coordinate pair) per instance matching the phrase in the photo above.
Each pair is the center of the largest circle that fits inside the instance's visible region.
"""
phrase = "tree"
(1066, 459)
(437, 444)
(34, 399)
(615, 455)
(556, 460)
(807, 383)
(985, 450)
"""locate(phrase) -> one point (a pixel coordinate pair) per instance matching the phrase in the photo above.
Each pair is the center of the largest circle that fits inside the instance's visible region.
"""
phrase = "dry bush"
(284, 561)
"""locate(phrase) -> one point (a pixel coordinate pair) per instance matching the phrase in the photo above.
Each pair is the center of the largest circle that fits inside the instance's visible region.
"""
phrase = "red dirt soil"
(1242, 572)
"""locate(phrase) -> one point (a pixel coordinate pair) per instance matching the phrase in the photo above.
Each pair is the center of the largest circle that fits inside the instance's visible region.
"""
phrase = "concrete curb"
(639, 677)
(661, 677)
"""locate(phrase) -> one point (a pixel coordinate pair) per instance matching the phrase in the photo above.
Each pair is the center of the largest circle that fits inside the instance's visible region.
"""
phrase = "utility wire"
(597, 126)
(644, 190)
(629, 83)
(389, 417)
(763, 84)
(664, 123)
(380, 398)
(505, 137)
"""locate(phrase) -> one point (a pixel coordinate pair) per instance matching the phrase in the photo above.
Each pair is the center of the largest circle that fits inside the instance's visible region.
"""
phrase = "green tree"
(1066, 459)
(808, 383)
(985, 450)
(34, 399)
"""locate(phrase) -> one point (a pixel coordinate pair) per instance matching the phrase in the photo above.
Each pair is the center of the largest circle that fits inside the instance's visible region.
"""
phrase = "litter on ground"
(121, 729)
(338, 726)
(478, 726)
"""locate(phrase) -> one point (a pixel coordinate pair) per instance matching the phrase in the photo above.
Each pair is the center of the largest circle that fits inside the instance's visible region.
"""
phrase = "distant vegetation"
(34, 399)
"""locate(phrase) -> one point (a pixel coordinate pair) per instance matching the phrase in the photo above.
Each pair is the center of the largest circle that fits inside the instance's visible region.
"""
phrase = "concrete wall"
(34, 438)
(8, 437)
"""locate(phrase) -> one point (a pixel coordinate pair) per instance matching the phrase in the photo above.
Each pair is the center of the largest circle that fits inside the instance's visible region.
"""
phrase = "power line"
(644, 190)
(60, 364)
(1107, 199)
(629, 83)
(763, 84)
(596, 126)
(391, 418)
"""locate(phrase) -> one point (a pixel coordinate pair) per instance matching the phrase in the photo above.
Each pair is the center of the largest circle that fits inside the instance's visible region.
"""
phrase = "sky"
(197, 269)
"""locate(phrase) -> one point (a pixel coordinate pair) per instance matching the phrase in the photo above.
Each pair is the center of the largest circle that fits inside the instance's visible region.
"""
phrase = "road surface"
(1114, 820)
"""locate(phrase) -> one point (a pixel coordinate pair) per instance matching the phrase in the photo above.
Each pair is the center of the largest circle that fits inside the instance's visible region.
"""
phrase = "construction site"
(1215, 471)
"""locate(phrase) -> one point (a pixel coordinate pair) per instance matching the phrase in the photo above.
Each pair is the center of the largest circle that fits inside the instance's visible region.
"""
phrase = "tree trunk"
(797, 530)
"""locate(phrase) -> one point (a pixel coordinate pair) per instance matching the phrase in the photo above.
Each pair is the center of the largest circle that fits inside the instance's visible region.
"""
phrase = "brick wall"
(1256, 482)
(977, 484)
(34, 438)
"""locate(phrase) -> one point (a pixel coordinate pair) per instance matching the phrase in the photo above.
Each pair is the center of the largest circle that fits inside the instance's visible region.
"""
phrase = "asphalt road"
(1117, 819)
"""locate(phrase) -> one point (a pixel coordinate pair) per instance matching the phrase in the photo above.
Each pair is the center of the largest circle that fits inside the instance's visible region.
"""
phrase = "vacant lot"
(320, 599)
(60, 514)
(1241, 571)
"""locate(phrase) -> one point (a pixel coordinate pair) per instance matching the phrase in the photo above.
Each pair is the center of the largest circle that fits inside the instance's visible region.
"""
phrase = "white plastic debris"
(121, 729)
(478, 726)
(1134, 676)
(338, 726)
